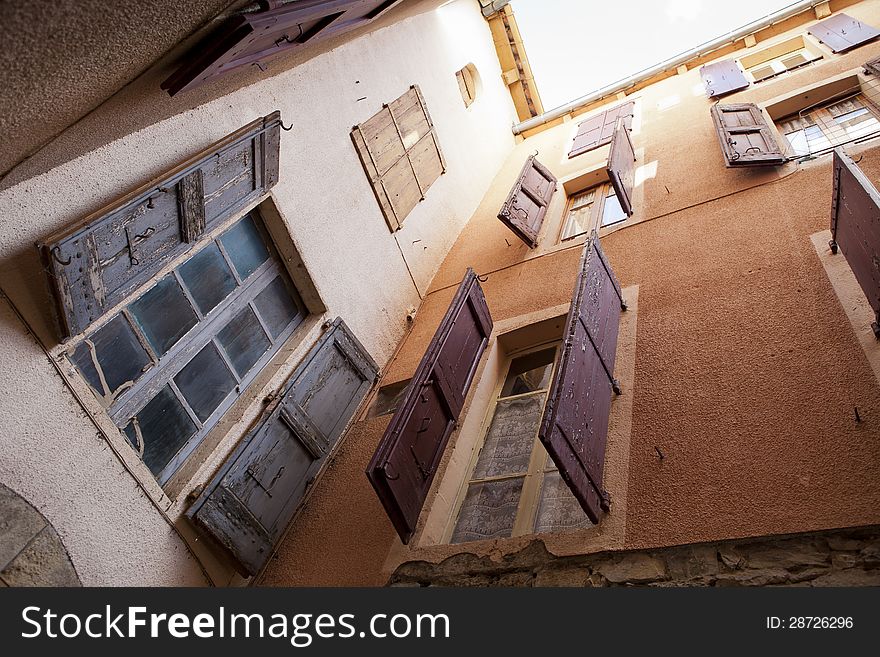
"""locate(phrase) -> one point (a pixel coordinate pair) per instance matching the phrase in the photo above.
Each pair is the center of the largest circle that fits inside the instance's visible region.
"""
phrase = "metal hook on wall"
(286, 128)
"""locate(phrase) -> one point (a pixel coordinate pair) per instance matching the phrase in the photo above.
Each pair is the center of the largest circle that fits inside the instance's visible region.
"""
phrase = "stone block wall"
(845, 557)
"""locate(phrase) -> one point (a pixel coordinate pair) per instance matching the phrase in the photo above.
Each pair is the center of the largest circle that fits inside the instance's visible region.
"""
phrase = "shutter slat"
(620, 166)
(523, 211)
(98, 262)
(248, 39)
(263, 483)
(745, 137)
(574, 427)
(403, 467)
(722, 78)
(855, 226)
(842, 32)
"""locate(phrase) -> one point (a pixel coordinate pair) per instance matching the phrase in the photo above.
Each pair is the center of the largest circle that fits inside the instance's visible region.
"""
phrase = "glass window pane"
(245, 247)
(164, 314)
(558, 510)
(488, 510)
(816, 139)
(205, 381)
(277, 308)
(244, 341)
(207, 277)
(164, 426)
(120, 356)
(510, 438)
(612, 212)
(798, 142)
(529, 373)
(388, 398)
(577, 222)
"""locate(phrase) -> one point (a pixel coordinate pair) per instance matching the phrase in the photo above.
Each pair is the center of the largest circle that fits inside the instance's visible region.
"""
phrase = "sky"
(578, 46)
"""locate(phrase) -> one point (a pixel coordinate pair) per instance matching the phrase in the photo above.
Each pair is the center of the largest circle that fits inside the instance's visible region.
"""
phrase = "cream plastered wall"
(51, 453)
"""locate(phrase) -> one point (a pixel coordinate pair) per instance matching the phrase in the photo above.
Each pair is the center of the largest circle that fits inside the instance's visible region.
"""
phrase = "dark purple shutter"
(574, 428)
(251, 39)
(406, 460)
(855, 227)
(95, 264)
(250, 502)
(841, 32)
(621, 172)
(745, 137)
(598, 130)
(722, 78)
(523, 211)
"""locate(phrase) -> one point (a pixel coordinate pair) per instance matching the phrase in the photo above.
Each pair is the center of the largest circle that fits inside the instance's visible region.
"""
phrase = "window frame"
(788, 48)
(540, 463)
(603, 191)
(824, 123)
(162, 369)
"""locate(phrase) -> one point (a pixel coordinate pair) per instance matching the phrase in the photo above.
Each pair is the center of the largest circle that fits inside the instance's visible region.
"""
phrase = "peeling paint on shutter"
(401, 156)
(404, 465)
(855, 227)
(598, 130)
(250, 502)
(574, 427)
(841, 32)
(253, 38)
(745, 137)
(722, 78)
(523, 211)
(620, 167)
(95, 264)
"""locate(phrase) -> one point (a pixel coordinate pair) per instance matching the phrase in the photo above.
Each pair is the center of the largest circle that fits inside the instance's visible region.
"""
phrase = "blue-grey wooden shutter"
(97, 263)
(574, 427)
(406, 460)
(252, 499)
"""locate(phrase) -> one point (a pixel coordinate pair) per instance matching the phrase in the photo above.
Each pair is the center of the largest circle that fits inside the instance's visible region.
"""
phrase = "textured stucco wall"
(333, 218)
(747, 368)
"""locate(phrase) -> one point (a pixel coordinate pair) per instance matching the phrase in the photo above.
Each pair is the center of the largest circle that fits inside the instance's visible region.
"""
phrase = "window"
(595, 207)
(779, 58)
(514, 487)
(573, 433)
(400, 154)
(468, 79)
(819, 129)
(177, 356)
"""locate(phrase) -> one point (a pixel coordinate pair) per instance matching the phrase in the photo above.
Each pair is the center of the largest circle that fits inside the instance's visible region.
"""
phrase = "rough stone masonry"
(846, 557)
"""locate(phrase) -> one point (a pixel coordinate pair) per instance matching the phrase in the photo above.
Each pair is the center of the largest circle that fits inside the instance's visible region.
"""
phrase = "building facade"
(335, 323)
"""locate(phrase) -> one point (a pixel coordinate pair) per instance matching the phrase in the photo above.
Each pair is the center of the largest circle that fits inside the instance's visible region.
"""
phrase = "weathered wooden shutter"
(722, 78)
(745, 137)
(523, 211)
(406, 460)
(97, 263)
(855, 227)
(252, 499)
(400, 153)
(574, 427)
(253, 38)
(598, 130)
(841, 32)
(872, 66)
(620, 167)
